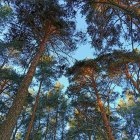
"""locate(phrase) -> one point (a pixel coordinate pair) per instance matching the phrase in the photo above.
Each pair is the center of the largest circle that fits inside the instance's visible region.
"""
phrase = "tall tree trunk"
(55, 130)
(63, 127)
(47, 126)
(104, 116)
(128, 76)
(7, 127)
(33, 114)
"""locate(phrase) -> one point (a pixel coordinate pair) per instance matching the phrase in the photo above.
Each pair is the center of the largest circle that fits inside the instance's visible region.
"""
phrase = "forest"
(69, 69)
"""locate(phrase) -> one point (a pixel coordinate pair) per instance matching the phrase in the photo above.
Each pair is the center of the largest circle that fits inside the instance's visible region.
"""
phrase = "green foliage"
(129, 111)
(110, 23)
(113, 29)
(5, 11)
(10, 74)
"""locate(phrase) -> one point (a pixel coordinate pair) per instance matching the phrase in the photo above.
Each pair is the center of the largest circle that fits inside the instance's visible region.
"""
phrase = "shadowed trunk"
(104, 117)
(55, 131)
(7, 127)
(90, 137)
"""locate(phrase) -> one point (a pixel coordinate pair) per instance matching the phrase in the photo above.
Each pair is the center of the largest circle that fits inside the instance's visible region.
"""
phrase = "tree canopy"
(100, 100)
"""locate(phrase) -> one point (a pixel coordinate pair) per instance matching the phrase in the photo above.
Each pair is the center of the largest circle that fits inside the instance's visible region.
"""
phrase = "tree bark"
(7, 127)
(33, 114)
(128, 76)
(104, 116)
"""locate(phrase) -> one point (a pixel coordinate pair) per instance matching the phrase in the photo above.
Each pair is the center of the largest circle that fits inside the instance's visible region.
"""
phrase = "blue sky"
(83, 51)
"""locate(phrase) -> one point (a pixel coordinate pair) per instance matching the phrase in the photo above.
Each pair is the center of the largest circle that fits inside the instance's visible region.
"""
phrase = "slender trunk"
(14, 133)
(90, 137)
(6, 128)
(33, 114)
(104, 117)
(3, 85)
(128, 75)
(63, 127)
(4, 62)
(62, 134)
(55, 131)
(108, 102)
(18, 125)
(47, 126)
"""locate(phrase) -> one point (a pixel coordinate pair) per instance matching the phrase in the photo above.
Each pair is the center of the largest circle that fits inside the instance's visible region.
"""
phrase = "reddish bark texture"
(104, 116)
(7, 127)
(128, 76)
(33, 114)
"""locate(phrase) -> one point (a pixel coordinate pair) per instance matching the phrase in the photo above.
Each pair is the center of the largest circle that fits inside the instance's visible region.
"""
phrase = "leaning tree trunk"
(7, 127)
(129, 77)
(104, 117)
(33, 114)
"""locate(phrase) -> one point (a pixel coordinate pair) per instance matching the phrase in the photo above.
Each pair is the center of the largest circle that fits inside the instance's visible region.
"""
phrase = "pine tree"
(44, 24)
(87, 73)
(111, 24)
